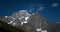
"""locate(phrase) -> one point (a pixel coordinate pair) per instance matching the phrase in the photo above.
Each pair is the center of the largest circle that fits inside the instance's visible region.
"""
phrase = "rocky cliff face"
(38, 22)
(28, 22)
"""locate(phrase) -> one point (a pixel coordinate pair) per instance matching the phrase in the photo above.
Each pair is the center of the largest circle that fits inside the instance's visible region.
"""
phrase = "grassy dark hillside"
(4, 27)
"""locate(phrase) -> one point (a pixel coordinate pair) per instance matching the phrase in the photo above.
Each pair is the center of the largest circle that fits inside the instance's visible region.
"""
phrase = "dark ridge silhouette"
(58, 27)
(4, 27)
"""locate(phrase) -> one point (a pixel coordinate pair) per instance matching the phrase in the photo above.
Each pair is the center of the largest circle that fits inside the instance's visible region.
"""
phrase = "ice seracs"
(25, 22)
(33, 13)
(14, 23)
(44, 31)
(26, 18)
(21, 23)
(10, 22)
(6, 16)
(20, 18)
(38, 30)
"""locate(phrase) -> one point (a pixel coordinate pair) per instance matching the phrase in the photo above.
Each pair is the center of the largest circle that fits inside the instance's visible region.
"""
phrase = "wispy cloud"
(54, 4)
(41, 8)
(36, 7)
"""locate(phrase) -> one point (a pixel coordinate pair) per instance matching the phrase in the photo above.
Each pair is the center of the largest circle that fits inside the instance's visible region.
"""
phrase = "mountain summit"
(29, 22)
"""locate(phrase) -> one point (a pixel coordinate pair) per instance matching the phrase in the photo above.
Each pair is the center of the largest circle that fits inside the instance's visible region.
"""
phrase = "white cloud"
(41, 8)
(54, 4)
(31, 10)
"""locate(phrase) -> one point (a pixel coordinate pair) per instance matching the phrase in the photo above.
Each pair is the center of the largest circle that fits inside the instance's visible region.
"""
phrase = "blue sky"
(51, 11)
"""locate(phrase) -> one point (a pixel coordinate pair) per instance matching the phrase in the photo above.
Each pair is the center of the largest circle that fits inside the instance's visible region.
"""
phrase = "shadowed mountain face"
(38, 22)
(3, 30)
(58, 27)
(29, 23)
